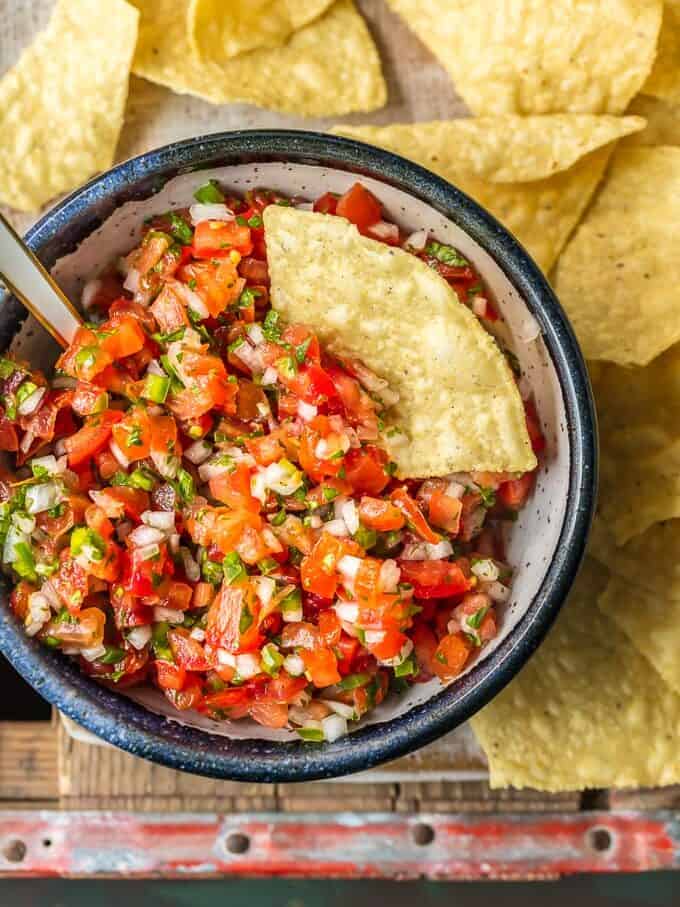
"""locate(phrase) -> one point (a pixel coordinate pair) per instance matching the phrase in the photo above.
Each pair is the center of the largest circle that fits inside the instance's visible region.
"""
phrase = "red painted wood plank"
(343, 846)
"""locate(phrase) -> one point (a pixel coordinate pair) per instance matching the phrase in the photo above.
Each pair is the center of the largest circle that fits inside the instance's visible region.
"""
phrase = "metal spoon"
(27, 279)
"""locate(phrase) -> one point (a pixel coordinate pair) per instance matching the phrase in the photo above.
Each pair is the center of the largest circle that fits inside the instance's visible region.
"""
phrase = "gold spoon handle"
(27, 279)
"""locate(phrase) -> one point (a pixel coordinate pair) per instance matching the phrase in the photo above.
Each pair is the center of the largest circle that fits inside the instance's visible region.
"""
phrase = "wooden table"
(70, 808)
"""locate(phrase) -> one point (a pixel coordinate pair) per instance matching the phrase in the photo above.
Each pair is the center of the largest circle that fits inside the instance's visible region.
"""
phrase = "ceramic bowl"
(546, 544)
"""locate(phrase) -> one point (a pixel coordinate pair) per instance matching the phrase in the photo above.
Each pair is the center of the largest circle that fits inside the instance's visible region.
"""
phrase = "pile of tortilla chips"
(549, 83)
(62, 106)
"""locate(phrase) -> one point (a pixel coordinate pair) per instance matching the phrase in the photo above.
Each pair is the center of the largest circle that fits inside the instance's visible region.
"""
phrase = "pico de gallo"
(200, 499)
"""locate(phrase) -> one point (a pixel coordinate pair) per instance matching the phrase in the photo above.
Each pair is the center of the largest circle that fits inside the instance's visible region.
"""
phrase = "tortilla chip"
(469, 153)
(663, 122)
(587, 711)
(503, 149)
(664, 79)
(618, 278)
(62, 105)
(639, 419)
(650, 560)
(330, 67)
(650, 621)
(533, 56)
(459, 404)
(221, 29)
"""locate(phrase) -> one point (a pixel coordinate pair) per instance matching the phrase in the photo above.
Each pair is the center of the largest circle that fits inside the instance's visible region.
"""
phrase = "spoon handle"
(28, 280)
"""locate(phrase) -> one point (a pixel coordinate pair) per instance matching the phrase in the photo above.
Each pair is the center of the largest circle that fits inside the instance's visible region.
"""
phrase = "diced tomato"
(346, 649)
(92, 437)
(169, 676)
(122, 500)
(514, 494)
(269, 714)
(359, 206)
(318, 570)
(327, 203)
(389, 646)
(85, 358)
(216, 238)
(216, 281)
(88, 399)
(232, 623)
(284, 688)
(187, 651)
(234, 703)
(70, 582)
(318, 468)
(124, 337)
(266, 449)
(435, 579)
(321, 665)
(365, 469)
(233, 489)
(189, 697)
(451, 656)
(329, 627)
(143, 577)
(19, 598)
(8, 435)
(444, 511)
(96, 519)
(414, 515)
(133, 434)
(208, 387)
(381, 515)
(254, 271)
(169, 309)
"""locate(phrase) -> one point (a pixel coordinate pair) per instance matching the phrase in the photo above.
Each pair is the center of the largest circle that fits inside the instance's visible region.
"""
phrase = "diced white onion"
(90, 290)
(383, 230)
(305, 206)
(173, 542)
(162, 520)
(216, 211)
(336, 528)
(455, 490)
(349, 565)
(198, 634)
(258, 486)
(306, 411)
(166, 464)
(350, 515)
(171, 615)
(247, 665)
(250, 357)
(294, 665)
(269, 376)
(32, 402)
(417, 241)
(374, 637)
(191, 567)
(148, 552)
(300, 716)
(42, 497)
(485, 570)
(400, 657)
(315, 521)
(23, 523)
(155, 368)
(291, 616)
(93, 652)
(38, 613)
(334, 727)
(347, 611)
(139, 636)
(213, 469)
(50, 593)
(198, 452)
(423, 551)
(118, 454)
(497, 592)
(265, 587)
(146, 535)
(255, 333)
(283, 477)
(390, 574)
(60, 447)
(191, 299)
(48, 463)
(340, 708)
(132, 280)
(226, 658)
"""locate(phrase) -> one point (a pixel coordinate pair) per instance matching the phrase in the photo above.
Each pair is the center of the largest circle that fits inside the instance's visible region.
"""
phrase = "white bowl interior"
(532, 539)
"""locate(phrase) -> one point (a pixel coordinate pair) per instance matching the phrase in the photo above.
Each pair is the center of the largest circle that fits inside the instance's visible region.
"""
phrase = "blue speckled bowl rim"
(131, 727)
